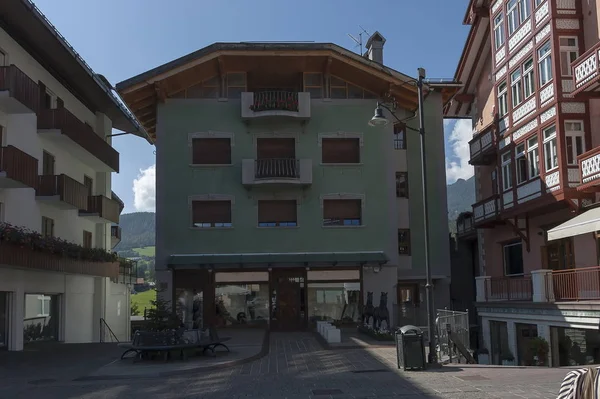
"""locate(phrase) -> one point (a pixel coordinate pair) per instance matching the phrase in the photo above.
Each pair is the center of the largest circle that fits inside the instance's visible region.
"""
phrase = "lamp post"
(379, 119)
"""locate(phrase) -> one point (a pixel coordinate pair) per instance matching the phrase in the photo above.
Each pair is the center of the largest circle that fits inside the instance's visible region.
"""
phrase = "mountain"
(461, 195)
(137, 230)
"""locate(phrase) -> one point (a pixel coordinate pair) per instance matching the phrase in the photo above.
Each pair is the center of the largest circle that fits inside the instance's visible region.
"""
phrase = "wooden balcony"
(17, 168)
(518, 288)
(486, 212)
(27, 258)
(62, 192)
(483, 148)
(115, 235)
(465, 228)
(586, 77)
(101, 209)
(77, 137)
(18, 93)
(276, 172)
(581, 284)
(277, 103)
(589, 169)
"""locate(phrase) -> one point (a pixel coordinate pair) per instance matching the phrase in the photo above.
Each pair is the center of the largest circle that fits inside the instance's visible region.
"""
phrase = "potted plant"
(539, 349)
(507, 358)
(483, 356)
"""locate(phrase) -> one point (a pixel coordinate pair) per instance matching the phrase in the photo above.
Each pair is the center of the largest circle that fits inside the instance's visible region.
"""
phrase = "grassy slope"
(146, 251)
(143, 300)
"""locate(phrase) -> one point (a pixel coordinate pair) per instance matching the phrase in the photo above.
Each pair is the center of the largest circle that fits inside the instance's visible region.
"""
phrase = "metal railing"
(277, 168)
(275, 101)
(104, 328)
(20, 87)
(69, 190)
(458, 324)
(509, 289)
(574, 284)
(19, 166)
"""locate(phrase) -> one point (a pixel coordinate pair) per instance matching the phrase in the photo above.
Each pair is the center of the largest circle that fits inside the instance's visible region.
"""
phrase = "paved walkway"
(298, 367)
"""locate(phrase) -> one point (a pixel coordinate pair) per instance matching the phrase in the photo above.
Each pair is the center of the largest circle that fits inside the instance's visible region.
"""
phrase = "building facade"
(277, 204)
(530, 74)
(58, 278)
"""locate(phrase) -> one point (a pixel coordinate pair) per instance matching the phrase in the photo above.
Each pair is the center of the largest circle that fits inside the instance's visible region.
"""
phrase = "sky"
(122, 38)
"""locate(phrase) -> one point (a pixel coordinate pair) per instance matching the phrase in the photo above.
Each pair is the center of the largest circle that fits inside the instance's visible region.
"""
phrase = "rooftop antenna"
(359, 41)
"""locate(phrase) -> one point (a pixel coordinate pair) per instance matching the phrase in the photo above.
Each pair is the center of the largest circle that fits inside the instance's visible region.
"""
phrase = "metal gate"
(458, 323)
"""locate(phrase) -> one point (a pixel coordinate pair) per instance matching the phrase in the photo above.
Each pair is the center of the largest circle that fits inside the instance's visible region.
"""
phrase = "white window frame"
(550, 146)
(512, 16)
(521, 163)
(573, 135)
(528, 79)
(571, 52)
(533, 157)
(524, 10)
(506, 171)
(42, 300)
(516, 87)
(502, 99)
(499, 31)
(545, 63)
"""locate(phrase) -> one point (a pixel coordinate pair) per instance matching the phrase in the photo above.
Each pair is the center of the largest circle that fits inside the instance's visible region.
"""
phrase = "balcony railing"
(105, 208)
(67, 189)
(465, 227)
(277, 168)
(589, 167)
(585, 71)
(483, 148)
(20, 87)
(574, 284)
(509, 289)
(275, 103)
(486, 210)
(80, 133)
(20, 168)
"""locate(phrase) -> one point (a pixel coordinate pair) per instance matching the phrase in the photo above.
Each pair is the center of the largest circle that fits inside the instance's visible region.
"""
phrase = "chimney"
(375, 47)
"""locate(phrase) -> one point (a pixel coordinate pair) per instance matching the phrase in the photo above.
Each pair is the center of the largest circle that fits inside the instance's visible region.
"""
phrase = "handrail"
(104, 324)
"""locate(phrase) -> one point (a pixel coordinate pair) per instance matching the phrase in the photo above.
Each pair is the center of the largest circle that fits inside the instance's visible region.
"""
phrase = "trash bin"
(410, 348)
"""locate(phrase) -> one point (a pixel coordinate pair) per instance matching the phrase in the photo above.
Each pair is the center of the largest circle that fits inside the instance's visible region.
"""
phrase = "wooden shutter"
(276, 148)
(211, 212)
(89, 183)
(340, 150)
(277, 211)
(59, 103)
(211, 151)
(42, 88)
(342, 209)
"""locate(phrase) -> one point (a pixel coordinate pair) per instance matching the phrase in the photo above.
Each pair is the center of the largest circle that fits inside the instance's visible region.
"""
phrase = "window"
(550, 151)
(87, 239)
(522, 166)
(209, 88)
(569, 51)
(524, 10)
(44, 305)
(3, 59)
(506, 171)
(516, 87)
(513, 258)
(512, 16)
(499, 31)
(545, 63)
(403, 241)
(575, 140)
(347, 212)
(340, 150)
(538, 2)
(528, 79)
(402, 184)
(211, 151)
(236, 84)
(47, 164)
(502, 100)
(533, 157)
(47, 227)
(340, 89)
(313, 84)
(207, 214)
(280, 213)
(399, 136)
(89, 183)
(50, 100)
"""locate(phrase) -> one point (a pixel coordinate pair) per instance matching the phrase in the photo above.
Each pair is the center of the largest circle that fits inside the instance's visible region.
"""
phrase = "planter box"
(27, 258)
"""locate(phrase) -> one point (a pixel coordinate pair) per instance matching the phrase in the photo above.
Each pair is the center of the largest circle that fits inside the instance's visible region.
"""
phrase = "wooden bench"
(161, 342)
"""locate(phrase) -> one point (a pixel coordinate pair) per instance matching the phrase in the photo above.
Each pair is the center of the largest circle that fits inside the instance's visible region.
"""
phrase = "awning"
(181, 261)
(587, 222)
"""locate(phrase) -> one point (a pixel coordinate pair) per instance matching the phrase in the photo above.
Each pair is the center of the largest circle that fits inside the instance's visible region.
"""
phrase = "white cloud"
(144, 190)
(458, 142)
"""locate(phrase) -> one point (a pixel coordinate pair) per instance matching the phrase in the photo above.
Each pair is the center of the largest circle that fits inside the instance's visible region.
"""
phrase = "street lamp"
(379, 119)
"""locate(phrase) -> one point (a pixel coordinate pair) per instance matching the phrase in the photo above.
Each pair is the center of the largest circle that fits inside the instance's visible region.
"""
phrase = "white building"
(56, 161)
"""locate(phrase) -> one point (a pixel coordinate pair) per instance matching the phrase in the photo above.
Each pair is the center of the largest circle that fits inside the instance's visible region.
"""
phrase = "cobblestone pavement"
(297, 367)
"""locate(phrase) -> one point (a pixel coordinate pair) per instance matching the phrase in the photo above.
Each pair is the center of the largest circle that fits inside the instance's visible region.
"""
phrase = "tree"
(135, 310)
(162, 316)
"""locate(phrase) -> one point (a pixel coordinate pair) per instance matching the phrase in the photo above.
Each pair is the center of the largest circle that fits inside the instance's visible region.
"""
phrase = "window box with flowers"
(29, 249)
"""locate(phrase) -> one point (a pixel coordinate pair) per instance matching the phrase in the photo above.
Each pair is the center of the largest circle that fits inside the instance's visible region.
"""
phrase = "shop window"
(277, 213)
(40, 318)
(513, 258)
(346, 212)
(334, 301)
(207, 214)
(246, 304)
(211, 151)
(576, 347)
(190, 307)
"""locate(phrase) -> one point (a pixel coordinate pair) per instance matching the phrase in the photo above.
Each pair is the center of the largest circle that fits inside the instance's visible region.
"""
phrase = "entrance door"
(288, 300)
